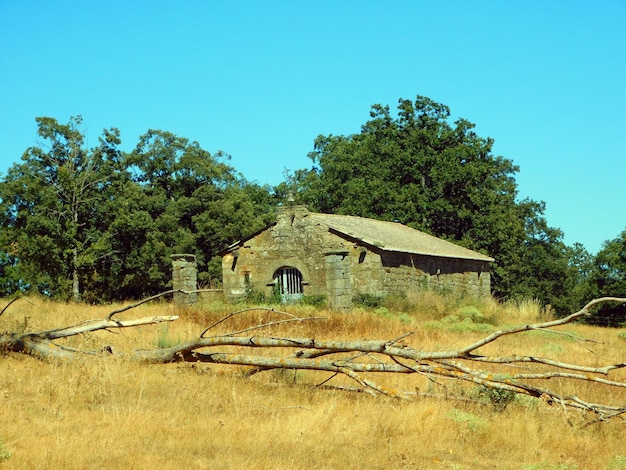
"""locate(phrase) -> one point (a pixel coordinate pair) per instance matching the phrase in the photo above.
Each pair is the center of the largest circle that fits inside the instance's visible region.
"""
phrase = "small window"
(288, 282)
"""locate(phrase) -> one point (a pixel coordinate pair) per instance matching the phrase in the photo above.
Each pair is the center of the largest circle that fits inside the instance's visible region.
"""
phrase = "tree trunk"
(75, 279)
(355, 358)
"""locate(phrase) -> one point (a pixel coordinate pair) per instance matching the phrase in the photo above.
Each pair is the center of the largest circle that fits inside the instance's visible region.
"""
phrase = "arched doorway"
(288, 284)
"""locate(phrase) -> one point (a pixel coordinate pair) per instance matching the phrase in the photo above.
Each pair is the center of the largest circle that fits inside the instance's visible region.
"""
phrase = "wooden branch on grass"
(41, 344)
(358, 359)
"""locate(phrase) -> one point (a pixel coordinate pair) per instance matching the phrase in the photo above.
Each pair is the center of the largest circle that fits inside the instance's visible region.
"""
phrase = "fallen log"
(356, 359)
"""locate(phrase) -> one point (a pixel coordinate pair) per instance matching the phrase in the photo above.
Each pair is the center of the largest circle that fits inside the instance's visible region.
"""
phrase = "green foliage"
(467, 319)
(9, 278)
(498, 398)
(618, 462)
(387, 313)
(253, 296)
(608, 279)
(100, 224)
(314, 300)
(164, 340)
(472, 313)
(420, 170)
(5, 454)
(367, 300)
(395, 302)
(48, 207)
(468, 420)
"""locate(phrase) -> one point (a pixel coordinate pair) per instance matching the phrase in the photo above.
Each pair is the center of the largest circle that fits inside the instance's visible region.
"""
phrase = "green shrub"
(472, 313)
(383, 312)
(452, 323)
(314, 300)
(397, 302)
(469, 420)
(164, 341)
(5, 454)
(251, 295)
(467, 319)
(499, 398)
(367, 300)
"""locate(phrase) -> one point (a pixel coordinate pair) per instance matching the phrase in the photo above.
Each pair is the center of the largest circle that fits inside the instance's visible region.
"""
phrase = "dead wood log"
(359, 359)
(41, 343)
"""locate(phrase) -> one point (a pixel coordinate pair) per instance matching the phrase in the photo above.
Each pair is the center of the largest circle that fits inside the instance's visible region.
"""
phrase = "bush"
(469, 420)
(253, 296)
(367, 301)
(499, 398)
(453, 323)
(4, 452)
(164, 340)
(314, 300)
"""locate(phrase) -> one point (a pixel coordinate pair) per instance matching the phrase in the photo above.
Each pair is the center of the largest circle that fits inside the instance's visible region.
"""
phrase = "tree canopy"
(100, 224)
(608, 274)
(419, 169)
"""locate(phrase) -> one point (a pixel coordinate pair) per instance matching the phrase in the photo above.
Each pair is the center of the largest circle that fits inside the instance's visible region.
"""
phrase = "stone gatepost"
(338, 282)
(184, 277)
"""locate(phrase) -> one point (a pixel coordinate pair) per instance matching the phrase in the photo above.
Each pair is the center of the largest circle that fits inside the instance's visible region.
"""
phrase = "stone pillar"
(184, 277)
(338, 282)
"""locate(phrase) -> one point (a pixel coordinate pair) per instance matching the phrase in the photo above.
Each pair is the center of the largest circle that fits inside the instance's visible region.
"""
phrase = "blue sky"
(261, 79)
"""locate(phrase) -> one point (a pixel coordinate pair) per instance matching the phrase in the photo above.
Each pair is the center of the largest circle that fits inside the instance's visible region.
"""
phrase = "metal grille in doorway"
(289, 284)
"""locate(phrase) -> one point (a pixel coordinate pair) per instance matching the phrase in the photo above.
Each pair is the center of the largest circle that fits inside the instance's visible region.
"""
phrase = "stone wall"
(404, 271)
(184, 277)
(338, 267)
(338, 280)
(294, 241)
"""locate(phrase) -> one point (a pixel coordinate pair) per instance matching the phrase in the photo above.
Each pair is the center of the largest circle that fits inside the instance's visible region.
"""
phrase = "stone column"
(184, 277)
(338, 282)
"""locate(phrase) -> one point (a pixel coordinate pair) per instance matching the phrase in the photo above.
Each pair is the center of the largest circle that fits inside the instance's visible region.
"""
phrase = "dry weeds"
(112, 413)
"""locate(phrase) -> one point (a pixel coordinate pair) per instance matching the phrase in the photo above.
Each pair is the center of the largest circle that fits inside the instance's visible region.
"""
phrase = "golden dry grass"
(112, 413)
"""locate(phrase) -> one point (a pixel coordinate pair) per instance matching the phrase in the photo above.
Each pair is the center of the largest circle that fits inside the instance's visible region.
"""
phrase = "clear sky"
(261, 79)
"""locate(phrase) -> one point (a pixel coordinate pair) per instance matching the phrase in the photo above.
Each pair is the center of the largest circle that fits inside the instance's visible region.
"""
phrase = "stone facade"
(184, 277)
(331, 260)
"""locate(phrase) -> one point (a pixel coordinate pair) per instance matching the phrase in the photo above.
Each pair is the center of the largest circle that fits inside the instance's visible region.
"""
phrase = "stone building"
(338, 256)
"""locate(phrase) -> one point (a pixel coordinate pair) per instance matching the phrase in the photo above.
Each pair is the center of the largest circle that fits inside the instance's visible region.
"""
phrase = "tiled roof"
(392, 236)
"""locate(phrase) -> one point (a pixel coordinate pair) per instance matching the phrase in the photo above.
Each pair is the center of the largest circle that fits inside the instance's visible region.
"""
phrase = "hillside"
(115, 413)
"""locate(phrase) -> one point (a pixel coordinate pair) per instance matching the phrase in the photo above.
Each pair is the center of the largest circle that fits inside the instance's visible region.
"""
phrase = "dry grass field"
(105, 412)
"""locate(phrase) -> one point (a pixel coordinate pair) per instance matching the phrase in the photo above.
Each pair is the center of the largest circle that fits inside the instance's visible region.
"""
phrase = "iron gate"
(288, 283)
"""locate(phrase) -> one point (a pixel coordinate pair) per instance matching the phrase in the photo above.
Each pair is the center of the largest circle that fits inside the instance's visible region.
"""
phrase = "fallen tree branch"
(358, 359)
(41, 344)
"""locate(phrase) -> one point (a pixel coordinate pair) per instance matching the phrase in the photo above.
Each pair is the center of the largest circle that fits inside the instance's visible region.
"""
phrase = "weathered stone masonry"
(184, 277)
(336, 256)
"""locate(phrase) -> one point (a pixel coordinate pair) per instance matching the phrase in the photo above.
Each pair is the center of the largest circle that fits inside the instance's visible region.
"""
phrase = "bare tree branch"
(357, 359)
(8, 305)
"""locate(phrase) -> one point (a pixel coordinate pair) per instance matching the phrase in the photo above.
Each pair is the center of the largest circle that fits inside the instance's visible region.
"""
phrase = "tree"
(608, 274)
(191, 201)
(550, 270)
(48, 205)
(419, 170)
(100, 224)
